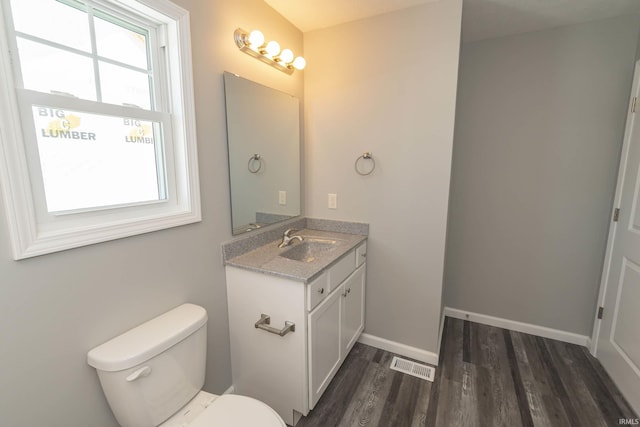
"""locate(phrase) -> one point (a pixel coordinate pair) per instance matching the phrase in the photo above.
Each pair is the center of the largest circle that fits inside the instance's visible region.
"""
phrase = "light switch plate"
(333, 201)
(282, 197)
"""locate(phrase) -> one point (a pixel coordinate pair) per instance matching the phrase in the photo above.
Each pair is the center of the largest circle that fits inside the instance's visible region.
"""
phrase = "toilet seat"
(230, 410)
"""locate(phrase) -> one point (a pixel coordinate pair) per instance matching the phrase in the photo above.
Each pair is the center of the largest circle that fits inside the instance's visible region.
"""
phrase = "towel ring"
(250, 163)
(365, 156)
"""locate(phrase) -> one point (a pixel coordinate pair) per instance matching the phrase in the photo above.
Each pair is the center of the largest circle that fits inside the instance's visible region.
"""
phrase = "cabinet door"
(324, 344)
(352, 309)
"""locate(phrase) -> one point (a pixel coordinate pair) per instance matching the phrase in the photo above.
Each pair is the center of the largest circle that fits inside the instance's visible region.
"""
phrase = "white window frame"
(35, 232)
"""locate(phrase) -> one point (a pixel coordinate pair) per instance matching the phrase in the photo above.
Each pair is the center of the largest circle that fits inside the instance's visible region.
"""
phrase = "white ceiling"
(309, 15)
(482, 19)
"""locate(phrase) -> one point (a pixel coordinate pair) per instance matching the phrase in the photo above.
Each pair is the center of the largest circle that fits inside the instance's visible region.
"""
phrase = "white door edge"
(593, 347)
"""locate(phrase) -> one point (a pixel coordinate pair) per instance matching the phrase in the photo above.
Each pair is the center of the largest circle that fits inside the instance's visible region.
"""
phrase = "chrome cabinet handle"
(265, 320)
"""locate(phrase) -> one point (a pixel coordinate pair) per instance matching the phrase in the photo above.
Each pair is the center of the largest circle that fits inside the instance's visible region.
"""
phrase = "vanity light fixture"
(253, 43)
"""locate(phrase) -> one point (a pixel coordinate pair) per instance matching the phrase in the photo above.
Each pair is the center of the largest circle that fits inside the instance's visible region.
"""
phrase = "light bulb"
(286, 56)
(273, 48)
(299, 63)
(256, 38)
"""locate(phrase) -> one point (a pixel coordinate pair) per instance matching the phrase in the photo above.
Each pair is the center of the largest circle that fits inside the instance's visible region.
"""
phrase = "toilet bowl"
(152, 376)
(208, 410)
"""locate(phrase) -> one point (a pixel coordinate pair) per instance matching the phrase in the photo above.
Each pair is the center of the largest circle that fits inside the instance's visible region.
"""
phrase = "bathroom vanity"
(294, 315)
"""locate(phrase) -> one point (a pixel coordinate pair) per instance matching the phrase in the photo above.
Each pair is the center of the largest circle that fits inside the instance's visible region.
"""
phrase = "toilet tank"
(154, 369)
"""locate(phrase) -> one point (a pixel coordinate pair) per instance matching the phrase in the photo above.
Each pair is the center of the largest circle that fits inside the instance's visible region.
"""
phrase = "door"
(352, 309)
(324, 344)
(618, 337)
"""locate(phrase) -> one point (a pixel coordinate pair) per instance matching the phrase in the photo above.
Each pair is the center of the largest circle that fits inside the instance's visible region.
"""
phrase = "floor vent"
(412, 368)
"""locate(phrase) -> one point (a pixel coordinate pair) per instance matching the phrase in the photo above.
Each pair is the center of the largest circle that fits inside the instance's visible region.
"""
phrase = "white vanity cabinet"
(290, 372)
(334, 327)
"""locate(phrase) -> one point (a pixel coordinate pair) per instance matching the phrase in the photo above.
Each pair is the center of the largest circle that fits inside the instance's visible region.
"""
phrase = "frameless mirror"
(263, 137)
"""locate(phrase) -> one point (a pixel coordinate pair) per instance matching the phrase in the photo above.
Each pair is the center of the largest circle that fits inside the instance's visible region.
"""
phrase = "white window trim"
(28, 237)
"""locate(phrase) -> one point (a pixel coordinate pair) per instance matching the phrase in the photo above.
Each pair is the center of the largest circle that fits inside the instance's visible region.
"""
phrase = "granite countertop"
(265, 259)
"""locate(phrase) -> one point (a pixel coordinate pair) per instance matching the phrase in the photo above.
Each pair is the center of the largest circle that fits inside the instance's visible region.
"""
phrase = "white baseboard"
(591, 347)
(514, 325)
(401, 349)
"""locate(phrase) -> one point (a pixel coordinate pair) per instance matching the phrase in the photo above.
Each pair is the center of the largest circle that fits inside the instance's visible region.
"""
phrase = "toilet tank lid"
(148, 340)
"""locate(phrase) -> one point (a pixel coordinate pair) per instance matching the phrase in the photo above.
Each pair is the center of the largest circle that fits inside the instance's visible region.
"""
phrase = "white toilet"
(152, 376)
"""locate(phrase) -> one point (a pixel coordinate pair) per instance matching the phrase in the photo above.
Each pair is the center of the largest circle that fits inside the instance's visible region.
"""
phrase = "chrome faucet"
(287, 237)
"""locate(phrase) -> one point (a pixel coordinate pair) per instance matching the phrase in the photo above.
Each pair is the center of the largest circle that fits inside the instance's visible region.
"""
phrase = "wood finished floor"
(487, 377)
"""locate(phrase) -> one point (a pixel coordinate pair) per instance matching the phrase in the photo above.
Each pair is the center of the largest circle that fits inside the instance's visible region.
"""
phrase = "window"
(98, 141)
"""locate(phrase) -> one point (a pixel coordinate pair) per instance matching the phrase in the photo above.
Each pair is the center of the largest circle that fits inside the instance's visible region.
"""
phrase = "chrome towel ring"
(365, 156)
(252, 162)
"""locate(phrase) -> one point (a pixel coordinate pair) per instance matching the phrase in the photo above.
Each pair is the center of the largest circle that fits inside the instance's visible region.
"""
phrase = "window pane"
(123, 86)
(52, 20)
(47, 69)
(120, 44)
(90, 160)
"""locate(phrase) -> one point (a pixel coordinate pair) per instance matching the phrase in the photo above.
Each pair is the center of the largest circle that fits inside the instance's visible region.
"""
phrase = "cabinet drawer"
(361, 254)
(342, 269)
(317, 290)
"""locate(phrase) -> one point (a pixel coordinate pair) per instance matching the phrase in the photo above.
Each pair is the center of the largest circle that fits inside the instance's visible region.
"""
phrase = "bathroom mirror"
(263, 137)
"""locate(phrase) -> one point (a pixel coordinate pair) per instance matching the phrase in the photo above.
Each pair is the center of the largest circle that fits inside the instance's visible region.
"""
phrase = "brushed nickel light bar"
(253, 44)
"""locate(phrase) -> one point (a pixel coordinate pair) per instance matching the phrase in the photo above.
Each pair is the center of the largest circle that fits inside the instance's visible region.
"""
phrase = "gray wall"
(638, 49)
(539, 128)
(388, 85)
(54, 308)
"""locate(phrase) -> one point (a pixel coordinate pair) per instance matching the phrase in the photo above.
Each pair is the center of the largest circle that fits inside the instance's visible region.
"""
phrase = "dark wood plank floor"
(487, 377)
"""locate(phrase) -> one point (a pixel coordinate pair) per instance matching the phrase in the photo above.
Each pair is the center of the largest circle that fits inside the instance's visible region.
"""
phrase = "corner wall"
(54, 308)
(539, 129)
(387, 85)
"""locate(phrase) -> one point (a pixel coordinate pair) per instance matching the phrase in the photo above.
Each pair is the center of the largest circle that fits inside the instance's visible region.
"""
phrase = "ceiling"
(482, 19)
